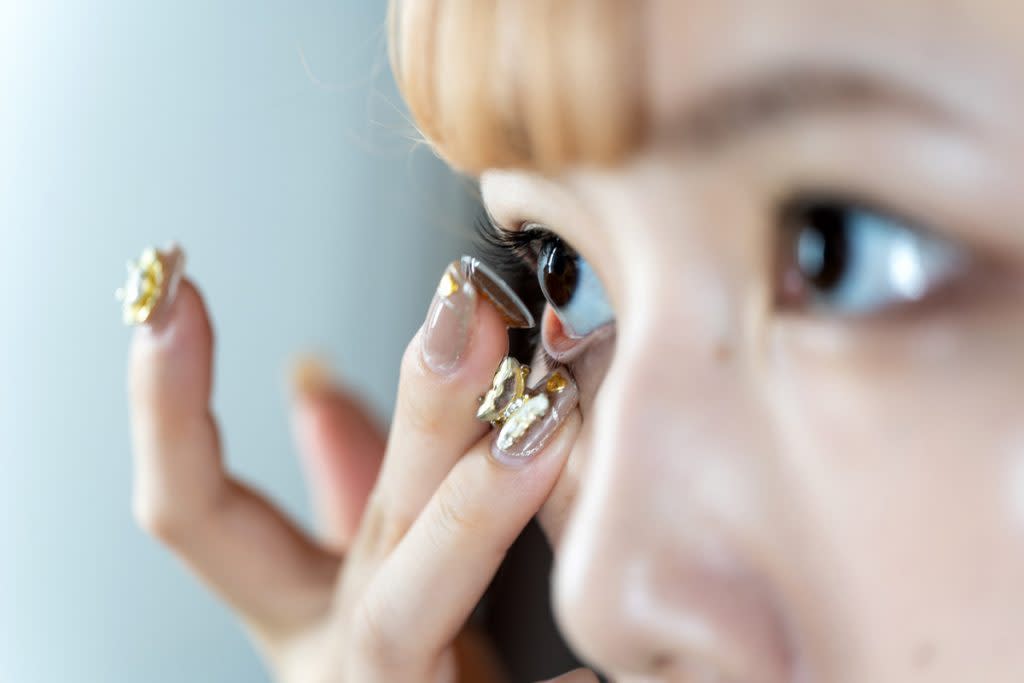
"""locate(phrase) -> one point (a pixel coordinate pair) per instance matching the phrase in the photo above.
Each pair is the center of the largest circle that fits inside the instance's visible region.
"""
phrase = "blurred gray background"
(268, 139)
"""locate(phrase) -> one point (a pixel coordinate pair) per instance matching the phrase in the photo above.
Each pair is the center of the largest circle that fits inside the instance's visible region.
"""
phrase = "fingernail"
(151, 285)
(309, 375)
(449, 321)
(534, 418)
(488, 283)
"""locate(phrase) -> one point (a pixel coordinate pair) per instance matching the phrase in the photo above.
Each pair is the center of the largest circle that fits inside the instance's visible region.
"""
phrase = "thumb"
(340, 445)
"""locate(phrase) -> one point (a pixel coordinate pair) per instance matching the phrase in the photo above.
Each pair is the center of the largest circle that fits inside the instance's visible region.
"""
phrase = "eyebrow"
(729, 114)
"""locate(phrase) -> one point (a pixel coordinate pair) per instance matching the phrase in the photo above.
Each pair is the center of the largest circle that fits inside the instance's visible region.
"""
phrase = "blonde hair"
(521, 83)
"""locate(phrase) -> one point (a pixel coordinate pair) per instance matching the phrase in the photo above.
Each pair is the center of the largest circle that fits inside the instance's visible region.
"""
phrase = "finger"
(431, 582)
(242, 546)
(577, 676)
(445, 368)
(341, 447)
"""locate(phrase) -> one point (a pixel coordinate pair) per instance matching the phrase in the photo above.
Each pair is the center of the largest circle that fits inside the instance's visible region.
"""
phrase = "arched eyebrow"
(725, 116)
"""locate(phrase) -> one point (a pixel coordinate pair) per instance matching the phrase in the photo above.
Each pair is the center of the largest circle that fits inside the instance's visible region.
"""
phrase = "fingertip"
(170, 364)
(309, 377)
(540, 470)
(488, 346)
(546, 420)
(340, 445)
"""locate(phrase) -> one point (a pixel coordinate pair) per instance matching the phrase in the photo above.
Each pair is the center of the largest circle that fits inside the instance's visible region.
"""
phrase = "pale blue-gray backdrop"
(268, 139)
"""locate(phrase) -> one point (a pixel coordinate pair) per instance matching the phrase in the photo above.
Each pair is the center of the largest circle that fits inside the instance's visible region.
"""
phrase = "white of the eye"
(906, 271)
(589, 308)
(889, 262)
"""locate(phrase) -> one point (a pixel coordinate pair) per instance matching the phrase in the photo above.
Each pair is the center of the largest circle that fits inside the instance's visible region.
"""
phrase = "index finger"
(230, 535)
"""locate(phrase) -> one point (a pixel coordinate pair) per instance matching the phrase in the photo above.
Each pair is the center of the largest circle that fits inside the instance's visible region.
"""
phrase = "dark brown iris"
(822, 251)
(556, 266)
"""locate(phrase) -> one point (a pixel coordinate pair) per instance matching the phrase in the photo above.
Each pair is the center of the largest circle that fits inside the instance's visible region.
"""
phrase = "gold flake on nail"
(144, 287)
(531, 410)
(448, 284)
(556, 383)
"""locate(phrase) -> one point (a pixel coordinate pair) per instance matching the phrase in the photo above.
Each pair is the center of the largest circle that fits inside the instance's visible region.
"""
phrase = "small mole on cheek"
(723, 351)
(659, 663)
(924, 655)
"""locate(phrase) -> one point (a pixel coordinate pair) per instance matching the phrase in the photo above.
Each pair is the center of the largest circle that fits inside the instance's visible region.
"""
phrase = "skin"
(833, 499)
(749, 492)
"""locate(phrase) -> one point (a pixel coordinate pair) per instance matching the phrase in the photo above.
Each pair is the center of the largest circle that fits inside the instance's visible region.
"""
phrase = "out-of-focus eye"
(850, 260)
(572, 288)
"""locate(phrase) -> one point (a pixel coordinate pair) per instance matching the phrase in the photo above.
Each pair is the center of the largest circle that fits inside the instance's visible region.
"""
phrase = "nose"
(660, 572)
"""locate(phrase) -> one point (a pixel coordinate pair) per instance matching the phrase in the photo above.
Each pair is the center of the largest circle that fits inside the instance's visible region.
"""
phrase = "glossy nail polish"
(534, 418)
(449, 321)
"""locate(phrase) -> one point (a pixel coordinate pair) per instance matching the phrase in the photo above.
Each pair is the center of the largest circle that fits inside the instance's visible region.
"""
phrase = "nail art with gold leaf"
(526, 418)
(151, 284)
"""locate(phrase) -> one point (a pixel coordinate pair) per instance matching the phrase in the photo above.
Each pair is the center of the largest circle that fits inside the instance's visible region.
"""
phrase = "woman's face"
(803, 451)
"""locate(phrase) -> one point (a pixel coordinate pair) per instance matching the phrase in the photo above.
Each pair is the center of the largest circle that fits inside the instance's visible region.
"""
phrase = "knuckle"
(457, 512)
(159, 518)
(175, 518)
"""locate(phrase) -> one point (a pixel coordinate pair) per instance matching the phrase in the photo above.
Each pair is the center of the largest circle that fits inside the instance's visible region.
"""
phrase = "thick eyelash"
(515, 249)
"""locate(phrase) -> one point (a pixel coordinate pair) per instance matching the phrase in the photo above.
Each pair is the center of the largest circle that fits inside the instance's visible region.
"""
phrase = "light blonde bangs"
(521, 83)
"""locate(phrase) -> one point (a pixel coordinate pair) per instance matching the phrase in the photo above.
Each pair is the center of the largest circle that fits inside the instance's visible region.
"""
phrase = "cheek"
(905, 452)
(589, 369)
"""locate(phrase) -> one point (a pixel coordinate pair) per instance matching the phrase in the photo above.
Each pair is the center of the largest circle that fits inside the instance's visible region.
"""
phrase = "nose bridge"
(678, 427)
(681, 398)
(653, 574)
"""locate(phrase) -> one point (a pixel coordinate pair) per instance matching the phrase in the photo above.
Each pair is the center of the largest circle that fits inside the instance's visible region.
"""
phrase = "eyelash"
(513, 249)
(513, 254)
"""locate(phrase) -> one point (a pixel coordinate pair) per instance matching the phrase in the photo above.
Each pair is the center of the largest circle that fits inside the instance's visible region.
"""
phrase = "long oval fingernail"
(151, 285)
(450, 319)
(534, 418)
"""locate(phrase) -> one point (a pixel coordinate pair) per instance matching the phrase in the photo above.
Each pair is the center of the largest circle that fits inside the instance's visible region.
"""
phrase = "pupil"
(556, 269)
(822, 246)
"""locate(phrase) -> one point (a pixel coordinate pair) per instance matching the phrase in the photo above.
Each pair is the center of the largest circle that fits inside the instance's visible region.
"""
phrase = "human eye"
(567, 282)
(572, 288)
(845, 258)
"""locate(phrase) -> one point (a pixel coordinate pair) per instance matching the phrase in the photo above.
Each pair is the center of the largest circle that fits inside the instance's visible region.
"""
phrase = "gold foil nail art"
(448, 285)
(151, 280)
(556, 383)
(531, 410)
(509, 406)
(508, 388)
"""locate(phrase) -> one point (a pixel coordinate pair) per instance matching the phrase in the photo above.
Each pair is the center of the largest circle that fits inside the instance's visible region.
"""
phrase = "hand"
(384, 594)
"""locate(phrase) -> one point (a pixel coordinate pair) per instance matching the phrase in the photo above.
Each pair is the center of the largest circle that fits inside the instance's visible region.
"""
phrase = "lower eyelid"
(554, 338)
(561, 346)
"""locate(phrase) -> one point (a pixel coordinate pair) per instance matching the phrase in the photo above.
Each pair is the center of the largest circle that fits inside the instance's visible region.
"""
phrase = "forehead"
(955, 48)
